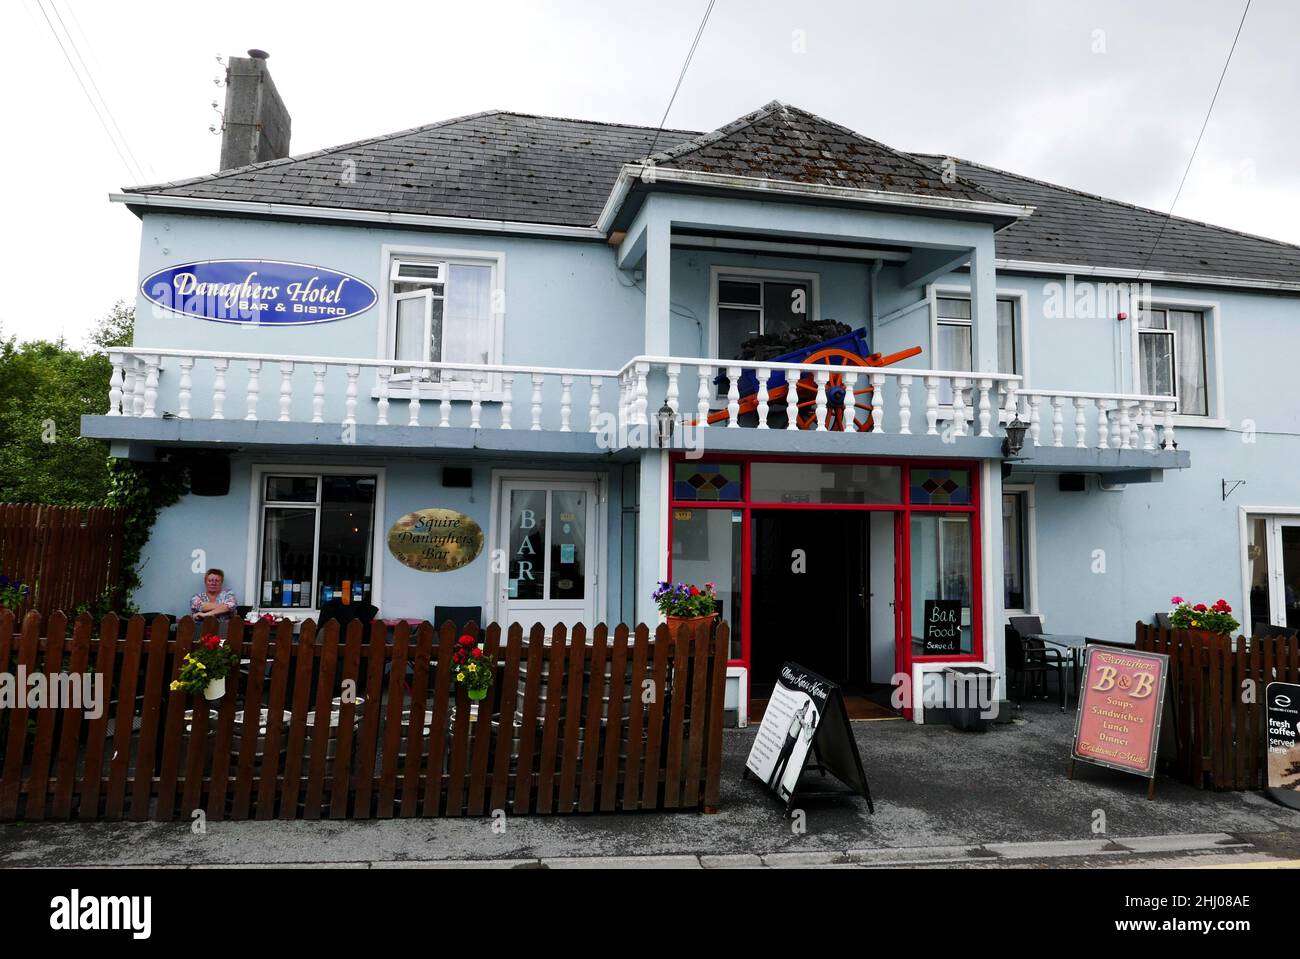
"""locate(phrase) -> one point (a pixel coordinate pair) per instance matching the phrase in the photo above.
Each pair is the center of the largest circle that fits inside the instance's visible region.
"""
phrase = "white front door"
(550, 538)
(1285, 547)
(1273, 570)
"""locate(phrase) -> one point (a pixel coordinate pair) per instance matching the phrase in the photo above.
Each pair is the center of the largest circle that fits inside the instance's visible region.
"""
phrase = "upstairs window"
(750, 305)
(953, 349)
(440, 310)
(1171, 357)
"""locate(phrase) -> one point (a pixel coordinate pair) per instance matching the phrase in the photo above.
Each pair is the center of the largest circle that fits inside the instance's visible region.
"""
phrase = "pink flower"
(1177, 600)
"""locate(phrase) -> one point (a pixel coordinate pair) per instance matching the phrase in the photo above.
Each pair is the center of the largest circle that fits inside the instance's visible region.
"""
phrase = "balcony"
(170, 397)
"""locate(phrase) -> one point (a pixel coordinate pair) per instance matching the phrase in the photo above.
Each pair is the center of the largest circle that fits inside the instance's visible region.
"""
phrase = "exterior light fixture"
(1015, 438)
(665, 420)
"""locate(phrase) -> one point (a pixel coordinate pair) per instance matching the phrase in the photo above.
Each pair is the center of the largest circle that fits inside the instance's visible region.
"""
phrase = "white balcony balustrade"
(715, 394)
(188, 384)
(1097, 420)
(765, 395)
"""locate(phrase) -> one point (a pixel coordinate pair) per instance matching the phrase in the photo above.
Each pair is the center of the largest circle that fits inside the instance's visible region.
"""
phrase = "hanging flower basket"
(205, 668)
(473, 669)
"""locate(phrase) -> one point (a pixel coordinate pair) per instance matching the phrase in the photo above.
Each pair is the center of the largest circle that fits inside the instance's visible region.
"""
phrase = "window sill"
(1201, 422)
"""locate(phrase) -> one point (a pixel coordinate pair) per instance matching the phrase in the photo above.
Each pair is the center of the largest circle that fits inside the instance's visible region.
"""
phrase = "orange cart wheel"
(838, 397)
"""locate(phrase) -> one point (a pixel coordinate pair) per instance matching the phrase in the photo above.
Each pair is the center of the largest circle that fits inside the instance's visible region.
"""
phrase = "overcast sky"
(1104, 96)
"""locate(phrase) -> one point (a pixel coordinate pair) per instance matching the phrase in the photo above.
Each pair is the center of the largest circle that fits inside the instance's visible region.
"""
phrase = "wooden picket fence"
(67, 555)
(1216, 693)
(644, 733)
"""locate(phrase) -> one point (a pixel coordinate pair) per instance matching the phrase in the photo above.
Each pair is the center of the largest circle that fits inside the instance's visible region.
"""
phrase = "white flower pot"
(215, 689)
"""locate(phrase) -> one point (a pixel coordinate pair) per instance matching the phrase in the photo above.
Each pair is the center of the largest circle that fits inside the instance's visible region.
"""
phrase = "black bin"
(965, 688)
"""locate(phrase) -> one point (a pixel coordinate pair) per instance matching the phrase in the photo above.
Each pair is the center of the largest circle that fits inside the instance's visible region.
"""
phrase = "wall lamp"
(1014, 441)
(665, 420)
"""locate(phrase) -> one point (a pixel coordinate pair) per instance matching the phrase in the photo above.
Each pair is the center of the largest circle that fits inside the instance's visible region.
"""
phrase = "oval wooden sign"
(435, 540)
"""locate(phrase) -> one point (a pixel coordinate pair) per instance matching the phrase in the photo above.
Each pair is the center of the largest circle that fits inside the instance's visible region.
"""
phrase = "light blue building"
(538, 323)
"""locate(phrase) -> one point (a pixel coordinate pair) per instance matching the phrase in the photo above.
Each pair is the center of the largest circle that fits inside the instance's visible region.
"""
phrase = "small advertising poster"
(805, 715)
(942, 626)
(1282, 742)
(1120, 706)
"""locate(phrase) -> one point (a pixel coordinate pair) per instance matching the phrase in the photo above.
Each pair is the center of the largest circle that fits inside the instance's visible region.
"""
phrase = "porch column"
(991, 567)
(658, 252)
(652, 533)
(984, 307)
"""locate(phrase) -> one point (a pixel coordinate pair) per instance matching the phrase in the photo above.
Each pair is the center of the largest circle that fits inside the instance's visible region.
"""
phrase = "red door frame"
(905, 661)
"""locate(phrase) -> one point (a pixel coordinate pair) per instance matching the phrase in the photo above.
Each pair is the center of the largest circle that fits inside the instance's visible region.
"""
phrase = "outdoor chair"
(460, 616)
(1030, 657)
(345, 613)
(1162, 620)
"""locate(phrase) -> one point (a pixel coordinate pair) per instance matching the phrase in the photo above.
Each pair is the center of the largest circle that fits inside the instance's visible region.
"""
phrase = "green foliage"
(210, 659)
(45, 389)
(474, 670)
(143, 490)
(685, 600)
(1214, 619)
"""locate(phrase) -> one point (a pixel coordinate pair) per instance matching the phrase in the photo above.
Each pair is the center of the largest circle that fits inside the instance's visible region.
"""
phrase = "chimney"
(256, 126)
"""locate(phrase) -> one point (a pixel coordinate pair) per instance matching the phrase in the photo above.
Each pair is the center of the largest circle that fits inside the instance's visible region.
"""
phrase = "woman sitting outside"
(215, 602)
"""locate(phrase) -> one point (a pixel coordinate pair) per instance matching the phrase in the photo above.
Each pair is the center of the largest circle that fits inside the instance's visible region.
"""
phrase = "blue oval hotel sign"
(270, 292)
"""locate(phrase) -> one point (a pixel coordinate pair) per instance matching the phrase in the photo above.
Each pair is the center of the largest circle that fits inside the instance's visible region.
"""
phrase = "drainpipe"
(876, 267)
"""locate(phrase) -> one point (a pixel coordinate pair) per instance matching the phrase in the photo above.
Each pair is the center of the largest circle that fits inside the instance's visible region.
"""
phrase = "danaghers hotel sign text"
(435, 540)
(269, 292)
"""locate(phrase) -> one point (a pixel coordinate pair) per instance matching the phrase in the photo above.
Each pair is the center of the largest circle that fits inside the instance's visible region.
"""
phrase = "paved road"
(936, 790)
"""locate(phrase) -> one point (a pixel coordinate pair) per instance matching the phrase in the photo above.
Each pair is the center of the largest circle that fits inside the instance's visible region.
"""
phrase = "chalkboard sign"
(805, 715)
(942, 626)
(1282, 742)
(1121, 703)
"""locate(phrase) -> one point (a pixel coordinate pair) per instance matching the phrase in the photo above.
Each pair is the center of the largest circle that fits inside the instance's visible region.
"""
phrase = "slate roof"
(1072, 227)
(493, 165)
(511, 166)
(781, 142)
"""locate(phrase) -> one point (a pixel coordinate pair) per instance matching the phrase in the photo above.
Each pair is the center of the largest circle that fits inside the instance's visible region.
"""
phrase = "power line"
(133, 173)
(681, 76)
(90, 74)
(1196, 146)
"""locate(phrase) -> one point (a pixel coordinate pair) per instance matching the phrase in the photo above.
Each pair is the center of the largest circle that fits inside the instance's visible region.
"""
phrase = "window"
(941, 571)
(1015, 551)
(440, 310)
(953, 348)
(707, 547)
(750, 305)
(317, 539)
(1171, 357)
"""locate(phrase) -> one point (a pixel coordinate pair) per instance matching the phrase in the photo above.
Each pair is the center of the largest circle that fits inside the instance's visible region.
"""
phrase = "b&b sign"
(262, 292)
(942, 625)
(1120, 708)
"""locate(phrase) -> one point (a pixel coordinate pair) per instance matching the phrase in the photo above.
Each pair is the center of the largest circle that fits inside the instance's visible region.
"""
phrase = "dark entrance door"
(809, 582)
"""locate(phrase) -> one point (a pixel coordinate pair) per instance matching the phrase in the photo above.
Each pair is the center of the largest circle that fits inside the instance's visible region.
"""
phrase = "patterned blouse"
(225, 597)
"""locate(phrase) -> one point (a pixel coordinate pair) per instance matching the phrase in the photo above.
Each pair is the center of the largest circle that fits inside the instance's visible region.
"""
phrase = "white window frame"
(1268, 514)
(600, 559)
(1216, 416)
(387, 333)
(1019, 324)
(252, 565)
(1030, 561)
(757, 274)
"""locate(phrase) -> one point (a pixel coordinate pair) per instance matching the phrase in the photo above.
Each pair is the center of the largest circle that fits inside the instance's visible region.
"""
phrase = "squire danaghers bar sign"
(270, 292)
